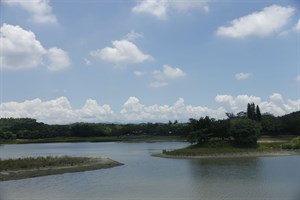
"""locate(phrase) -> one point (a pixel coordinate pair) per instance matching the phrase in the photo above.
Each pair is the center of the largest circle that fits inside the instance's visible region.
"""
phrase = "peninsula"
(21, 168)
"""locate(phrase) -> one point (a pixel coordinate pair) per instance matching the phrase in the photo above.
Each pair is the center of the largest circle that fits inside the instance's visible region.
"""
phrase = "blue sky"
(147, 60)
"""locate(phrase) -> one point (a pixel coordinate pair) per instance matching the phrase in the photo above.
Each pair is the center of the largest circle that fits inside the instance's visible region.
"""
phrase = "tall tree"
(258, 114)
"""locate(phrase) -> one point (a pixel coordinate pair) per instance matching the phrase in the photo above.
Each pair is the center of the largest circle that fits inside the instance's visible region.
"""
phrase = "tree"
(245, 132)
(220, 128)
(271, 125)
(200, 130)
(230, 115)
(251, 111)
(258, 114)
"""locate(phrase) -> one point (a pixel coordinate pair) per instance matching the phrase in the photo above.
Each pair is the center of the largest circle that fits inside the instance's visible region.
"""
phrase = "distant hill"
(291, 122)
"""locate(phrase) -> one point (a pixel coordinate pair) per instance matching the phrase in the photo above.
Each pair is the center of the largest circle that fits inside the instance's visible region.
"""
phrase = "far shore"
(227, 155)
(93, 163)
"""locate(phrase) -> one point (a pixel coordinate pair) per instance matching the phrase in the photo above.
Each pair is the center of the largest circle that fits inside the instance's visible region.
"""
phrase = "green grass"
(216, 147)
(293, 145)
(40, 162)
(20, 168)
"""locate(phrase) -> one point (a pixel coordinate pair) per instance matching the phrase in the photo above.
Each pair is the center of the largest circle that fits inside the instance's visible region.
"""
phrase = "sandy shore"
(227, 155)
(92, 164)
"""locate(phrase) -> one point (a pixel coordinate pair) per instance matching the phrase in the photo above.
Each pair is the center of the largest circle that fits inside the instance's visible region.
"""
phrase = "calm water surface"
(144, 177)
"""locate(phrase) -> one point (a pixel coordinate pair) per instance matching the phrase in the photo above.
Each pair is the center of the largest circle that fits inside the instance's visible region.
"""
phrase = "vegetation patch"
(216, 147)
(293, 145)
(12, 169)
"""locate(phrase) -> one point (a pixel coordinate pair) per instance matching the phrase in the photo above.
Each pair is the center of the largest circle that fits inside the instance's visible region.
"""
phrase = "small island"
(224, 150)
(238, 136)
(20, 168)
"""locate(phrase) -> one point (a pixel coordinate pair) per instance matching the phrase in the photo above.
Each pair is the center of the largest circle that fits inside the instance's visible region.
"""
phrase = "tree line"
(27, 128)
(201, 130)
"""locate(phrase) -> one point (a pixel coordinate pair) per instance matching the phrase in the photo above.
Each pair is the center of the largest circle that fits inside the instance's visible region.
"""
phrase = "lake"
(144, 177)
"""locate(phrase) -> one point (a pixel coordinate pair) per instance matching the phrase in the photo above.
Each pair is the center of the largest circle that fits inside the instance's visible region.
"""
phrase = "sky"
(132, 61)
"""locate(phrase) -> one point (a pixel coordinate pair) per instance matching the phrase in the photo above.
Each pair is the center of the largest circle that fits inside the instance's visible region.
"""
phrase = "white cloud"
(123, 52)
(238, 103)
(21, 50)
(269, 20)
(58, 59)
(242, 76)
(57, 111)
(160, 8)
(132, 35)
(60, 111)
(276, 97)
(133, 110)
(277, 105)
(138, 73)
(168, 72)
(297, 27)
(40, 10)
(87, 61)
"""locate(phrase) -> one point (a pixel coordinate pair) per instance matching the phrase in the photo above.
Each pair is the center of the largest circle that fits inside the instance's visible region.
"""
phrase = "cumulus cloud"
(276, 104)
(40, 10)
(168, 73)
(60, 111)
(160, 8)
(242, 76)
(276, 97)
(123, 52)
(133, 110)
(58, 59)
(132, 35)
(271, 19)
(57, 111)
(21, 50)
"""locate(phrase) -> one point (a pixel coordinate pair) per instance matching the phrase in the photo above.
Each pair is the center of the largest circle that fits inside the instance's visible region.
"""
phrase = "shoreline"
(94, 163)
(226, 155)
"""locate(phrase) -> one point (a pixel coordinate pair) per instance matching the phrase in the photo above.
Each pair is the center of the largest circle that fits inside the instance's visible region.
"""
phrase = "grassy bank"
(12, 169)
(144, 138)
(266, 146)
(294, 144)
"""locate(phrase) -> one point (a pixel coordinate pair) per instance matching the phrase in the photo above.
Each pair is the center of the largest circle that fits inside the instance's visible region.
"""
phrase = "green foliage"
(25, 128)
(271, 125)
(245, 132)
(294, 144)
(220, 129)
(200, 130)
(39, 162)
(253, 112)
(215, 147)
(291, 123)
(197, 130)
(258, 114)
